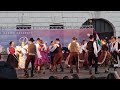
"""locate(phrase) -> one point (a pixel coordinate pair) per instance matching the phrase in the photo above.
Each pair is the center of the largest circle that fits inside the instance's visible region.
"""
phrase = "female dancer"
(22, 56)
(12, 58)
(43, 60)
(105, 58)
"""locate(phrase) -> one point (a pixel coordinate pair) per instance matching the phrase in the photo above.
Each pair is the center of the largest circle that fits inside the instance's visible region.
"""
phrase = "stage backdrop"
(65, 35)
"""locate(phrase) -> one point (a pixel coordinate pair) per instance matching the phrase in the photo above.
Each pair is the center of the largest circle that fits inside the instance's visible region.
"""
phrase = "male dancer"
(30, 57)
(74, 52)
(57, 59)
(117, 50)
(92, 54)
(113, 50)
(51, 54)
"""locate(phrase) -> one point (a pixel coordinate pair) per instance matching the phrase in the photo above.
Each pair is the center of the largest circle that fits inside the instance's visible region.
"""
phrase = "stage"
(84, 74)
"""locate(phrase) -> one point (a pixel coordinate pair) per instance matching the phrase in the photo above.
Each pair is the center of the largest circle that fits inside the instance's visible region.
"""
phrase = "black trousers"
(73, 60)
(30, 58)
(91, 56)
(115, 54)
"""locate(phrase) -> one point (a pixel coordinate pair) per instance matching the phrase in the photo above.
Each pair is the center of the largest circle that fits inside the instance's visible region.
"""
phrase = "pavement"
(84, 74)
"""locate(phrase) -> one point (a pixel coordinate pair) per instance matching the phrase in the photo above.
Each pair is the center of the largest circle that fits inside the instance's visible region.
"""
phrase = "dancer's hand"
(96, 55)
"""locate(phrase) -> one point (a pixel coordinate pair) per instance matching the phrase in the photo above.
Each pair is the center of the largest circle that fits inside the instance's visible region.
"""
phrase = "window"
(23, 26)
(56, 27)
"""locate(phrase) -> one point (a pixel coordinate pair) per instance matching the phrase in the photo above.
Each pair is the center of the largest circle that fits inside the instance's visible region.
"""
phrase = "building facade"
(69, 19)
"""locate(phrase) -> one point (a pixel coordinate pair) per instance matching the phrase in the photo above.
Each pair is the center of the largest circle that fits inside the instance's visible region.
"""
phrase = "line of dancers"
(39, 55)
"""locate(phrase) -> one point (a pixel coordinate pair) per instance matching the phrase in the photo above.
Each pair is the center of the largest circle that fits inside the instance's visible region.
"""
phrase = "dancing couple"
(42, 56)
(56, 55)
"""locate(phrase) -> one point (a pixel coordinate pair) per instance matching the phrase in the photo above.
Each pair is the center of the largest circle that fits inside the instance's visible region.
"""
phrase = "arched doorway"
(104, 28)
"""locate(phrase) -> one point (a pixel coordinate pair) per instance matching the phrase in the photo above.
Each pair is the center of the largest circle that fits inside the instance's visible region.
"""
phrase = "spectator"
(111, 76)
(75, 76)
(92, 77)
(53, 77)
(65, 77)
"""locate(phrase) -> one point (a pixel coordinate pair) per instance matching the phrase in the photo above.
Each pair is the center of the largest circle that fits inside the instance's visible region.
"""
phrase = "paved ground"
(83, 74)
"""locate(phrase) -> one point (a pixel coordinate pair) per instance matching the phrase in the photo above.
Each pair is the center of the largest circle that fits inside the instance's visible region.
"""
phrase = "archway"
(103, 27)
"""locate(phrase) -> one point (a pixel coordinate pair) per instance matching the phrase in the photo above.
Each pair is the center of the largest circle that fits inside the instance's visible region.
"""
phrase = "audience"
(75, 76)
(93, 77)
(65, 77)
(53, 77)
(111, 76)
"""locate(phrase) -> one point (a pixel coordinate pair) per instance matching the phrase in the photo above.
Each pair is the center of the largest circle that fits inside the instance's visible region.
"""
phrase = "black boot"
(71, 71)
(32, 74)
(96, 69)
(77, 70)
(90, 69)
(26, 74)
(106, 70)
(56, 69)
(115, 68)
(62, 70)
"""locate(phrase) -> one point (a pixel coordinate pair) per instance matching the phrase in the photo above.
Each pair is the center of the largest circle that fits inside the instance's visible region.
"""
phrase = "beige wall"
(72, 19)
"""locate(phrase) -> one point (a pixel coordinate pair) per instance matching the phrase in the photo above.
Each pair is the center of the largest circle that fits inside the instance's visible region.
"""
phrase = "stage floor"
(84, 74)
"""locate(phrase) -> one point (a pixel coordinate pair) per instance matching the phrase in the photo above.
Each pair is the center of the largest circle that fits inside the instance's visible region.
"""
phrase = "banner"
(65, 35)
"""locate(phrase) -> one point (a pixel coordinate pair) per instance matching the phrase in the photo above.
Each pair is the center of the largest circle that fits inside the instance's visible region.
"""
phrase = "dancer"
(85, 54)
(117, 51)
(30, 57)
(38, 56)
(51, 54)
(113, 51)
(74, 49)
(40, 62)
(47, 55)
(57, 55)
(22, 56)
(12, 58)
(0, 50)
(105, 58)
(92, 54)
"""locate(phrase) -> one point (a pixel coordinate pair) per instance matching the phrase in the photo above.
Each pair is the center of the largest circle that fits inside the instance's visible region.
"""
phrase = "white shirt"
(95, 49)
(45, 47)
(81, 48)
(84, 47)
(54, 47)
(1, 48)
(116, 47)
(38, 52)
(26, 47)
(112, 48)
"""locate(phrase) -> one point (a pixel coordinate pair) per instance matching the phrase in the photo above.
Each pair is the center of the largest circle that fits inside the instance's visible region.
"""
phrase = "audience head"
(53, 77)
(75, 76)
(65, 77)
(92, 77)
(111, 76)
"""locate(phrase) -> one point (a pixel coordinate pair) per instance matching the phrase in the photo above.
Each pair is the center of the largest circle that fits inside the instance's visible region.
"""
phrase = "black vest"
(58, 49)
(118, 45)
(90, 47)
